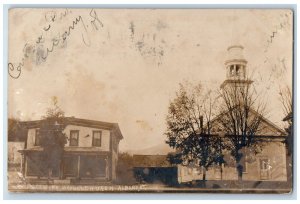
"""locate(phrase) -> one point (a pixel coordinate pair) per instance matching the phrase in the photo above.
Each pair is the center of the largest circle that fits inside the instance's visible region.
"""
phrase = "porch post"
(78, 167)
(61, 169)
(21, 164)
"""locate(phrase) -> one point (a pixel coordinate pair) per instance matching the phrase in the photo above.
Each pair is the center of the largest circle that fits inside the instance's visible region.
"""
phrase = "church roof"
(288, 117)
(270, 129)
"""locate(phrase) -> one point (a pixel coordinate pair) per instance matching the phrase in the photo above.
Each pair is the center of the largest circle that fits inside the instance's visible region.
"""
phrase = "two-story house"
(90, 154)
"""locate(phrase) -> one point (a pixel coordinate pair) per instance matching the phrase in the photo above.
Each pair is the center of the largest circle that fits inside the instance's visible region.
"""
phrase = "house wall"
(85, 137)
(187, 173)
(14, 157)
(114, 155)
(109, 143)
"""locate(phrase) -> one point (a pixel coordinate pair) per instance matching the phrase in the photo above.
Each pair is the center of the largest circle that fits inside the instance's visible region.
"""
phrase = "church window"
(238, 70)
(232, 70)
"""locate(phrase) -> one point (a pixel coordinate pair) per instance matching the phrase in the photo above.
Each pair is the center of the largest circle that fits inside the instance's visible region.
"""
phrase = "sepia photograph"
(150, 100)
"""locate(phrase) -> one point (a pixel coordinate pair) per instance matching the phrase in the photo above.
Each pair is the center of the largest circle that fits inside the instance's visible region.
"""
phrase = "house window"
(74, 135)
(185, 170)
(217, 172)
(37, 141)
(70, 166)
(35, 165)
(97, 138)
(92, 167)
(197, 171)
(190, 170)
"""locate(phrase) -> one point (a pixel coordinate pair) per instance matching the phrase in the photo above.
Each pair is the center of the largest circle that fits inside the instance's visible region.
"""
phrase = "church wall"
(269, 165)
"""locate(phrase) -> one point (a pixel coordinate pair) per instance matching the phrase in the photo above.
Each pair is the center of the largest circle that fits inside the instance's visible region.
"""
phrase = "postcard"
(150, 100)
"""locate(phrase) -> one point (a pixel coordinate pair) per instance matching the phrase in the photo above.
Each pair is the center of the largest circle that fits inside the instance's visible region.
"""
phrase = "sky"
(125, 65)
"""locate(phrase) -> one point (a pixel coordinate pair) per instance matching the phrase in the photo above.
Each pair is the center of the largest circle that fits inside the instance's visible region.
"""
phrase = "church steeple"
(236, 67)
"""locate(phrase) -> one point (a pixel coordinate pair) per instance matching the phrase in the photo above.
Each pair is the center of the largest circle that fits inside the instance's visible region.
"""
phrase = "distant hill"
(161, 149)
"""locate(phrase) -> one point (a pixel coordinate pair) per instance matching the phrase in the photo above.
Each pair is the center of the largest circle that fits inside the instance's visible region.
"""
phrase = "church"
(268, 164)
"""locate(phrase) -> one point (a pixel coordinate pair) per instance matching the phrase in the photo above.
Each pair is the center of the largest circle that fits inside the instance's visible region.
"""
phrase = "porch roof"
(69, 149)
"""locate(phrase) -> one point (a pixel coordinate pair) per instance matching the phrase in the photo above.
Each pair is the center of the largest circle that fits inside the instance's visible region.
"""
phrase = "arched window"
(238, 70)
(231, 70)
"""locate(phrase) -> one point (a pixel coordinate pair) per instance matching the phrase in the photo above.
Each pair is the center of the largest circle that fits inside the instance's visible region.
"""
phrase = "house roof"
(79, 122)
(150, 161)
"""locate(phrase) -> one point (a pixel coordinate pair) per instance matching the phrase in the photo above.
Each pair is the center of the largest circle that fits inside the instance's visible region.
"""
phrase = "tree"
(15, 130)
(241, 117)
(52, 139)
(286, 100)
(287, 105)
(189, 128)
(125, 174)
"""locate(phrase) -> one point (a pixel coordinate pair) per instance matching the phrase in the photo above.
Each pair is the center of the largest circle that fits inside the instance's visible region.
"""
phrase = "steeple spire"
(236, 66)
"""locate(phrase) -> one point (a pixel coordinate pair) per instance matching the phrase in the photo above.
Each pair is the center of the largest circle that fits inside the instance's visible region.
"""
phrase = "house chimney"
(201, 123)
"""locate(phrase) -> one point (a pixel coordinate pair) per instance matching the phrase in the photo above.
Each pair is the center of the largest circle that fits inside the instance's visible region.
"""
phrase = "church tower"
(236, 68)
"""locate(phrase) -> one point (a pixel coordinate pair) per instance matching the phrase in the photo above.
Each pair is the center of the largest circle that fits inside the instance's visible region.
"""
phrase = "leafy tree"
(52, 139)
(189, 128)
(15, 130)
